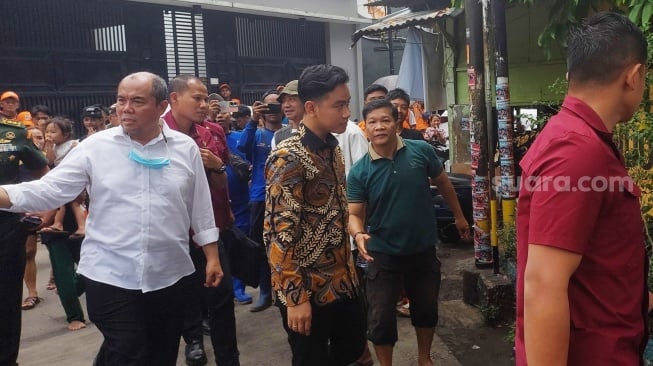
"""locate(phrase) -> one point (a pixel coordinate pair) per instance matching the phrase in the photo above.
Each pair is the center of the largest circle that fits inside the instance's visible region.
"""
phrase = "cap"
(225, 85)
(243, 110)
(92, 111)
(290, 89)
(9, 94)
(215, 96)
(112, 109)
(25, 118)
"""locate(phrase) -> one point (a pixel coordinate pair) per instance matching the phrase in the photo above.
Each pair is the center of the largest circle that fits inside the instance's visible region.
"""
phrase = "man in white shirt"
(147, 189)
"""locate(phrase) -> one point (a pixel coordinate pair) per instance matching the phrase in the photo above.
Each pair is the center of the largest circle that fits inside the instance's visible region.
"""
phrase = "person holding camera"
(256, 143)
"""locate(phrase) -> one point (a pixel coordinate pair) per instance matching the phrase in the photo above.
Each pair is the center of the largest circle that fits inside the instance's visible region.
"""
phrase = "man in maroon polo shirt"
(581, 292)
(189, 108)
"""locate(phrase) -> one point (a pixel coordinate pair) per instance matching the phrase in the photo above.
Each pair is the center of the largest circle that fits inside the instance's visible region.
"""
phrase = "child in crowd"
(37, 137)
(434, 133)
(58, 142)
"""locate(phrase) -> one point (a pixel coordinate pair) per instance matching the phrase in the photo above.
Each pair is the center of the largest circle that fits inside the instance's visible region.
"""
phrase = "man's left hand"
(210, 160)
(214, 273)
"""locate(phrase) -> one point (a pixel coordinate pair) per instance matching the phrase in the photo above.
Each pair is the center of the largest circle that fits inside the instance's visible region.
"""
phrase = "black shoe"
(206, 327)
(261, 305)
(195, 355)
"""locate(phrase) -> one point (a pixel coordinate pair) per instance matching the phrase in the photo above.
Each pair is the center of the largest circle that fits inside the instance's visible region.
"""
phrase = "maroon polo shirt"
(576, 211)
(205, 138)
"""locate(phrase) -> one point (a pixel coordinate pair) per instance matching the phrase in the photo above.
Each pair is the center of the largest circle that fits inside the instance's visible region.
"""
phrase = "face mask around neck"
(155, 163)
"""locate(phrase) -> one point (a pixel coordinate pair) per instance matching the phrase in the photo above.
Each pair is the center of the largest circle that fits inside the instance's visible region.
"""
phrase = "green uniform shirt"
(14, 148)
(400, 214)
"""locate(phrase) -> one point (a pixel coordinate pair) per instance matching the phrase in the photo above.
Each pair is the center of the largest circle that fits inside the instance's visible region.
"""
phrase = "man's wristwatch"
(219, 170)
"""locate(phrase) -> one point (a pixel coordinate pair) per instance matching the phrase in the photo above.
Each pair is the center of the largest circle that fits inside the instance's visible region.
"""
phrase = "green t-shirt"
(400, 214)
(14, 148)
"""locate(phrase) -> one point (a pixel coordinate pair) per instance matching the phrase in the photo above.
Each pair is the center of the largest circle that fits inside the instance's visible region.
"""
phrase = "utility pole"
(479, 137)
(491, 129)
(505, 125)
(390, 45)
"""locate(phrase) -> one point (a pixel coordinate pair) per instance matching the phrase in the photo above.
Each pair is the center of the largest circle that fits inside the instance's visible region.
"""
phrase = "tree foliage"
(564, 14)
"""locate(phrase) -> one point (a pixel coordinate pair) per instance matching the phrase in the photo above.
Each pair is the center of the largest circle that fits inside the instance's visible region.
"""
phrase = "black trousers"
(256, 216)
(337, 335)
(218, 302)
(139, 329)
(12, 268)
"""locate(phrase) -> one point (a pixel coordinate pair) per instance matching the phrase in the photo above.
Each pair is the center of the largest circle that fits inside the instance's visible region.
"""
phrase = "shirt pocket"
(174, 182)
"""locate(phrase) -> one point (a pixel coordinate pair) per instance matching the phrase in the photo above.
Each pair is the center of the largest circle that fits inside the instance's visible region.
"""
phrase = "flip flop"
(30, 302)
(53, 231)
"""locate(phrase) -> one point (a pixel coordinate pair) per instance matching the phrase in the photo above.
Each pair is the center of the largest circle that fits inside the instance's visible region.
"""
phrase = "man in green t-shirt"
(393, 223)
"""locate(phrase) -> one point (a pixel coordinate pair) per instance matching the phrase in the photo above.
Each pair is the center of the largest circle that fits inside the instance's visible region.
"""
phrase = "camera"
(274, 108)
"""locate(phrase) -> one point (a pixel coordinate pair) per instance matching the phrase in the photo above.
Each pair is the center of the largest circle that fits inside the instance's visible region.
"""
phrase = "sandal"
(51, 285)
(30, 302)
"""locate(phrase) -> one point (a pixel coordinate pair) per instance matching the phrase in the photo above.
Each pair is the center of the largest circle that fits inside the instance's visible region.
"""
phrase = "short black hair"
(319, 80)
(397, 94)
(374, 88)
(378, 104)
(179, 83)
(602, 46)
(243, 111)
(268, 93)
(40, 108)
(64, 124)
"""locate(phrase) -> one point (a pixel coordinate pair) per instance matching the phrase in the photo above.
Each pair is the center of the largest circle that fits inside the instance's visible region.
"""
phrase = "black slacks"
(12, 268)
(139, 329)
(337, 335)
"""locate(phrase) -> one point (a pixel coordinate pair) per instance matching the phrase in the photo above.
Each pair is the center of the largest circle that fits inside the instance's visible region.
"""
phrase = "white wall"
(340, 54)
(343, 11)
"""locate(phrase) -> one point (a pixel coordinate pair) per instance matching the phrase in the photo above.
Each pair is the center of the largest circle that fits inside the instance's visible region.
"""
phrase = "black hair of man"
(159, 89)
(179, 83)
(374, 88)
(601, 48)
(270, 92)
(40, 108)
(398, 94)
(317, 81)
(378, 104)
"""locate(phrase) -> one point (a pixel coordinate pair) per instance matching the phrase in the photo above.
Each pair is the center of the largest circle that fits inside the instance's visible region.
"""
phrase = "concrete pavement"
(261, 339)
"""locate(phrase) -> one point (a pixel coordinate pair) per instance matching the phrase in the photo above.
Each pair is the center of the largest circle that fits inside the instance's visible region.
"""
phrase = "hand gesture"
(258, 110)
(361, 244)
(214, 109)
(210, 160)
(299, 318)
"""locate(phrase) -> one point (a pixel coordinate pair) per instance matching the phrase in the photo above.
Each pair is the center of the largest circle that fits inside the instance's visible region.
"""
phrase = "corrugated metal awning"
(404, 19)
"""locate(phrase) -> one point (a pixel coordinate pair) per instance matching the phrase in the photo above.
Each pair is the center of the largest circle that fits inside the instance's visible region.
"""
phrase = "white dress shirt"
(353, 144)
(137, 231)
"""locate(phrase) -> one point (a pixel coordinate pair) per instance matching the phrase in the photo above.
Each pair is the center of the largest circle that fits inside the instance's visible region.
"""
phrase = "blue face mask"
(156, 163)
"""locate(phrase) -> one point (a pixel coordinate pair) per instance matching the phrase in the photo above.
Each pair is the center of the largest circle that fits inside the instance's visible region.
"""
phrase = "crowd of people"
(188, 171)
(144, 212)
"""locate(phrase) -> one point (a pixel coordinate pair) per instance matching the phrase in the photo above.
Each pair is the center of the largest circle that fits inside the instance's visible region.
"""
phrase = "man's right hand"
(258, 110)
(361, 244)
(214, 110)
(299, 318)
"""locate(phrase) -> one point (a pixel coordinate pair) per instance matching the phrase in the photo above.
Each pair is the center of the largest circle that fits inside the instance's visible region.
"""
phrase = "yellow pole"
(508, 209)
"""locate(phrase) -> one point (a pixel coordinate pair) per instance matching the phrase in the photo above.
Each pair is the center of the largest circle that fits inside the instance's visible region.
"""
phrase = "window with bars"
(184, 36)
(110, 38)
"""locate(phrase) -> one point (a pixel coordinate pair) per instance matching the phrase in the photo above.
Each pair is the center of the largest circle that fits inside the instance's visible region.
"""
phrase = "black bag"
(245, 255)
(241, 167)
